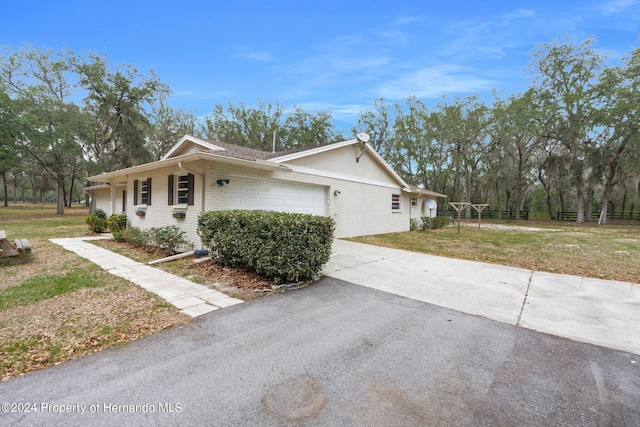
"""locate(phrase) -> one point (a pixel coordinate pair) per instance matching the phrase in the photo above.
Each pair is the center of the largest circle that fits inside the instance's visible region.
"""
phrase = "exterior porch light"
(221, 182)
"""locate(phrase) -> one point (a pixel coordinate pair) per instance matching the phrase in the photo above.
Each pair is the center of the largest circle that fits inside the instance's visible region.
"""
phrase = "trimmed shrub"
(285, 247)
(170, 238)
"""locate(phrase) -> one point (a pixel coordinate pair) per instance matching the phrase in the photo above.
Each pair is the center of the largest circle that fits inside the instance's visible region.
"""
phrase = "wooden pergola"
(458, 206)
(479, 208)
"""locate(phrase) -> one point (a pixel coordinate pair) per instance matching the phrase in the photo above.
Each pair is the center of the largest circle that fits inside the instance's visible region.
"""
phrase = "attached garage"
(251, 194)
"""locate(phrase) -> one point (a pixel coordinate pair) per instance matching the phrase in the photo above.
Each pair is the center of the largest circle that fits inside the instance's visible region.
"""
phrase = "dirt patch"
(236, 282)
(507, 227)
(239, 283)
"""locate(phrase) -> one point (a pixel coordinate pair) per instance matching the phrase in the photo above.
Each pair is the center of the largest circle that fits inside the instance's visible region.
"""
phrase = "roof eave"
(423, 192)
(257, 164)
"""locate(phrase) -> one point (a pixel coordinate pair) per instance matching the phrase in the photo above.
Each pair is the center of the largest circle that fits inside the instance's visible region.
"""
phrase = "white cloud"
(406, 20)
(433, 82)
(520, 13)
(257, 56)
(616, 6)
(341, 112)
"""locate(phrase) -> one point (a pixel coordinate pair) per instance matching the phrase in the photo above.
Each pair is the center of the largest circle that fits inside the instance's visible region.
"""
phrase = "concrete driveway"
(595, 311)
(335, 354)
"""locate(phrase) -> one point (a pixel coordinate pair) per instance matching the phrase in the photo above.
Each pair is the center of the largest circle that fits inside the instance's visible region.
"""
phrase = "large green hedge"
(283, 246)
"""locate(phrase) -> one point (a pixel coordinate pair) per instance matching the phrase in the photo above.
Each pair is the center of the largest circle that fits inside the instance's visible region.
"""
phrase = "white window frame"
(395, 202)
(144, 195)
(414, 202)
(182, 189)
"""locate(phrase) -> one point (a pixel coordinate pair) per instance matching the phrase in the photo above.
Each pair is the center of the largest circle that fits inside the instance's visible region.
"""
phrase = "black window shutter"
(170, 190)
(190, 184)
(124, 200)
(149, 191)
(135, 192)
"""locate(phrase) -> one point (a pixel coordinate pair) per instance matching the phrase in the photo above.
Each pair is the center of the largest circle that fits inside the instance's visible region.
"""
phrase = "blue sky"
(334, 56)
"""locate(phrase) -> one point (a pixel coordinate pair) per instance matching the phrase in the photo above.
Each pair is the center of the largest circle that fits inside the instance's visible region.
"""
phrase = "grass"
(56, 306)
(606, 252)
(39, 288)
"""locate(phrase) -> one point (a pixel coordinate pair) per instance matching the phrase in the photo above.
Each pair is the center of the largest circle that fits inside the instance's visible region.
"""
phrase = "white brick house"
(363, 196)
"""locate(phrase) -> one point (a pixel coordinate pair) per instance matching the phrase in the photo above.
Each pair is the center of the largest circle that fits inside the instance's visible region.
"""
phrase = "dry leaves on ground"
(85, 321)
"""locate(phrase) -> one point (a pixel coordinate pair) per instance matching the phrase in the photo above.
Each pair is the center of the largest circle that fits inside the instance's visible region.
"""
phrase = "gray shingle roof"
(238, 152)
(246, 153)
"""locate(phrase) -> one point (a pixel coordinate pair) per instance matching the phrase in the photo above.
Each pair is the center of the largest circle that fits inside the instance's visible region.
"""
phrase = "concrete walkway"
(189, 297)
(600, 312)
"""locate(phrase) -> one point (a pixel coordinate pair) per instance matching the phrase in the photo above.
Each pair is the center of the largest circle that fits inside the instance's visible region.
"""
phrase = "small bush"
(414, 224)
(117, 223)
(136, 237)
(439, 222)
(282, 246)
(435, 222)
(170, 238)
(96, 223)
(100, 213)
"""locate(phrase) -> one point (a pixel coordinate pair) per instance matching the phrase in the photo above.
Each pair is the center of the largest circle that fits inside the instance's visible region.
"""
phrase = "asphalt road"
(335, 354)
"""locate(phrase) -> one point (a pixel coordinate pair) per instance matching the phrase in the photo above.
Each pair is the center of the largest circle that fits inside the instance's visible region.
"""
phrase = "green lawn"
(607, 252)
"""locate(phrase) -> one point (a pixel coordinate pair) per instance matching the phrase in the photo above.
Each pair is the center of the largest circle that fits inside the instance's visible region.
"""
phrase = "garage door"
(251, 194)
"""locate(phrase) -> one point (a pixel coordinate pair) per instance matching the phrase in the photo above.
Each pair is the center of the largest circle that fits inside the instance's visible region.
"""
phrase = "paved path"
(189, 297)
(596, 311)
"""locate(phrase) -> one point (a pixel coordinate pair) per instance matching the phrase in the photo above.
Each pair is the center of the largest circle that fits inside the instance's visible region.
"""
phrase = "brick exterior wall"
(362, 207)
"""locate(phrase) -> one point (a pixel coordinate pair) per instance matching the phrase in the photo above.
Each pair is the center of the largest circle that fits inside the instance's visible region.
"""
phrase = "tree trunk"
(6, 192)
(589, 210)
(608, 187)
(547, 190)
(61, 195)
(498, 198)
(73, 178)
(563, 207)
(519, 184)
(468, 193)
(580, 205)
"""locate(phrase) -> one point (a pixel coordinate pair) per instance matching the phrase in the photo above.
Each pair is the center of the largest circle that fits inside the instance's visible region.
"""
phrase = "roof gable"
(190, 144)
(308, 156)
